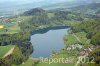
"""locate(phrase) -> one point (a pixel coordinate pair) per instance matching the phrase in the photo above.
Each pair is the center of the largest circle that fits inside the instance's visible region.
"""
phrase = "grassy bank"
(5, 49)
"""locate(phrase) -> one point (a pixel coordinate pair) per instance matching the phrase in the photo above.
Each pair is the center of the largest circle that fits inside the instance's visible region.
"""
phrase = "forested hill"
(87, 9)
(41, 16)
(90, 8)
(48, 16)
(35, 11)
(69, 4)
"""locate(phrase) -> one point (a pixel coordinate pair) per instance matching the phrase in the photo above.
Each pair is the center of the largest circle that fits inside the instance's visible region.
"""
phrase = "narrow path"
(77, 37)
(77, 62)
(34, 58)
(9, 52)
(79, 58)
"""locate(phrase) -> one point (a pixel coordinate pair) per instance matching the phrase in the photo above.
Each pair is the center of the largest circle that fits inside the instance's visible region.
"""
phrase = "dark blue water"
(46, 42)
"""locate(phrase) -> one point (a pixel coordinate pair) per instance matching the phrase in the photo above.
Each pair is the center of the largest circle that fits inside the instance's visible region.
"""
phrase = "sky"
(37, 3)
(28, 1)
(6, 3)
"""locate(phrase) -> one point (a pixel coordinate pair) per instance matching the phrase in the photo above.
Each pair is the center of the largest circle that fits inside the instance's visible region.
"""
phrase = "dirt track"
(9, 52)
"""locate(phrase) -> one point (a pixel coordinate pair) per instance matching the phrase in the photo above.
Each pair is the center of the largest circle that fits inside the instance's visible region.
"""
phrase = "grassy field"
(33, 62)
(60, 62)
(82, 37)
(50, 15)
(29, 62)
(5, 49)
(55, 64)
(10, 28)
(71, 39)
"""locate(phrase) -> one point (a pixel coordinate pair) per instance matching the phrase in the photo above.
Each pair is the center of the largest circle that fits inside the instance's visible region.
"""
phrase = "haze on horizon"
(14, 5)
(29, 1)
(35, 3)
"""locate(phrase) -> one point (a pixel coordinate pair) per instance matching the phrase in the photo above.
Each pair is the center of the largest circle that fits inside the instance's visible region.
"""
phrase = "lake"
(44, 43)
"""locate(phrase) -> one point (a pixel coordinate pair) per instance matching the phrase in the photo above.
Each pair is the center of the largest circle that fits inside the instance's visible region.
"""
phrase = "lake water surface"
(46, 42)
